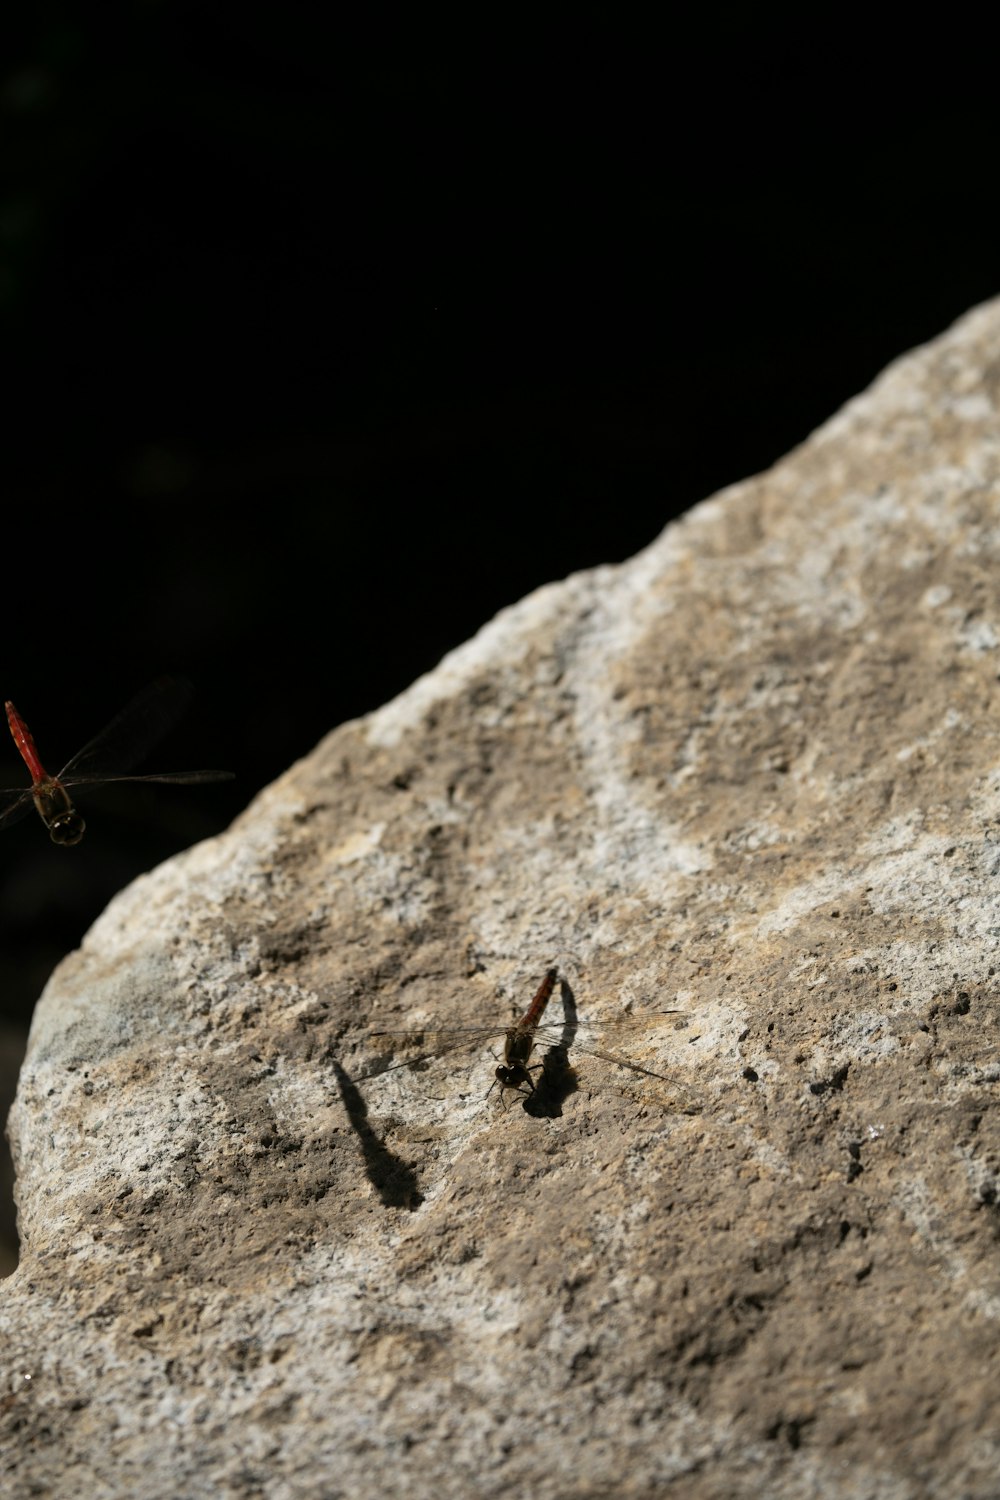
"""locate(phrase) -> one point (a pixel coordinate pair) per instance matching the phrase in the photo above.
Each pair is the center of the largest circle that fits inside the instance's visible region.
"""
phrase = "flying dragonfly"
(514, 1073)
(103, 760)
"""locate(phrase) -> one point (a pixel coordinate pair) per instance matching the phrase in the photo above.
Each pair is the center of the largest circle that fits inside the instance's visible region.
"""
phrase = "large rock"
(753, 775)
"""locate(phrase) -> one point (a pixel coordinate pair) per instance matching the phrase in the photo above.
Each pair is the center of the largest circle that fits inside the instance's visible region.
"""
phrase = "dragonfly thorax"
(57, 812)
(513, 1071)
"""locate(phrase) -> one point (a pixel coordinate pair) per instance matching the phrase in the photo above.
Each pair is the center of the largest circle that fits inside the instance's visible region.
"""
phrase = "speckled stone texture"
(752, 776)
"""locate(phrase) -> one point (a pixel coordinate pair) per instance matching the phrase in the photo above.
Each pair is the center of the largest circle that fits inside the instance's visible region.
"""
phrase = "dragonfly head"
(514, 1077)
(67, 828)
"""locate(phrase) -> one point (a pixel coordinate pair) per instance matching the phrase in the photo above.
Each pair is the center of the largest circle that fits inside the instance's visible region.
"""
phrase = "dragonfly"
(103, 760)
(514, 1073)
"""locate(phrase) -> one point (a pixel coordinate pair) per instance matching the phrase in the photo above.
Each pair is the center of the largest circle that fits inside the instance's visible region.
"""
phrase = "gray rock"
(752, 775)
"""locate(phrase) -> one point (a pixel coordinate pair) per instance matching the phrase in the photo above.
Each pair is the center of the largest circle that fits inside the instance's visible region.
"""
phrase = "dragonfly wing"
(14, 806)
(627, 1031)
(428, 1043)
(177, 778)
(667, 1088)
(132, 733)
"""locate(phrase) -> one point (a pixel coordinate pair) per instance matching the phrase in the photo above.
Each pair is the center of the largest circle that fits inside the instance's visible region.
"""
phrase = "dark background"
(326, 339)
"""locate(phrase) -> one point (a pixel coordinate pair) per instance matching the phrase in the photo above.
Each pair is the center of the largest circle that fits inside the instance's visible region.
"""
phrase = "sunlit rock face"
(743, 791)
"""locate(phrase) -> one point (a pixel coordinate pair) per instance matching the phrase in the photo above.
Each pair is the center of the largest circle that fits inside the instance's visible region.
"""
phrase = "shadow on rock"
(393, 1180)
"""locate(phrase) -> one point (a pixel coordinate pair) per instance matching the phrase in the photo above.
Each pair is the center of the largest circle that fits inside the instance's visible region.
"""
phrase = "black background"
(326, 339)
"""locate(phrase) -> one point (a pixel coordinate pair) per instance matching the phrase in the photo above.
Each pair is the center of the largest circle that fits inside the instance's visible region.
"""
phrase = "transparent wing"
(178, 778)
(132, 733)
(15, 804)
(440, 1036)
(563, 1042)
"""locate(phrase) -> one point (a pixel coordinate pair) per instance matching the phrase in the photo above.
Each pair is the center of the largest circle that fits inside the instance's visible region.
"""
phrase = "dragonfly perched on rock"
(555, 1073)
(103, 760)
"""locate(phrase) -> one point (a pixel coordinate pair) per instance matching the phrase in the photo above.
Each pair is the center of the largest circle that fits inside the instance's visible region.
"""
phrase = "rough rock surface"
(753, 775)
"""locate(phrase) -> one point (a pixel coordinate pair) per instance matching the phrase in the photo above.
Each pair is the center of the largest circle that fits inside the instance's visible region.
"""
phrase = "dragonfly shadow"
(557, 1079)
(393, 1180)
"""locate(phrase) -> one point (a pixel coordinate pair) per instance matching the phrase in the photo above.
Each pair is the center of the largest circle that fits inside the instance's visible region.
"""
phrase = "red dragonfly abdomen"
(533, 1014)
(26, 745)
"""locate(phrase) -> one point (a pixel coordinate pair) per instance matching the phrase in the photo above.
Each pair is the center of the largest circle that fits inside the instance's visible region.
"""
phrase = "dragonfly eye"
(68, 828)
